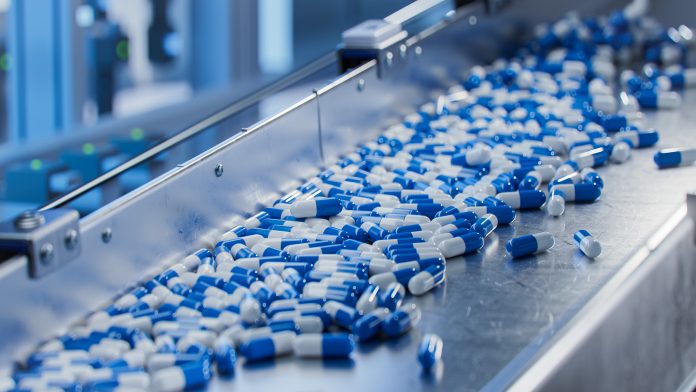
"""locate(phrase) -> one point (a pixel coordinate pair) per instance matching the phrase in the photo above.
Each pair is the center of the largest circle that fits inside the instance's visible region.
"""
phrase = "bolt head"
(46, 253)
(219, 169)
(106, 235)
(361, 85)
(71, 238)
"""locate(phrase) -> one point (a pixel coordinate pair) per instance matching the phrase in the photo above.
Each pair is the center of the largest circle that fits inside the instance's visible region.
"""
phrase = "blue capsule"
(392, 297)
(583, 192)
(430, 351)
(529, 244)
(367, 326)
(317, 207)
(329, 345)
(587, 243)
(524, 199)
(485, 225)
(187, 376)
(401, 320)
(277, 344)
(673, 157)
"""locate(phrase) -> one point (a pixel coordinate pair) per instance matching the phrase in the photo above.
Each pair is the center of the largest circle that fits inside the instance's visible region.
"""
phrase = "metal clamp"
(372, 39)
(49, 239)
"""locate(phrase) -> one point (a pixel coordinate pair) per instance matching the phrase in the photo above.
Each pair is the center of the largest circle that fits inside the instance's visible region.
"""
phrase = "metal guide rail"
(499, 318)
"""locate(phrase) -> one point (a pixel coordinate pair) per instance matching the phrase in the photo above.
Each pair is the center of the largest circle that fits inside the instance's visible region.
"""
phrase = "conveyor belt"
(494, 314)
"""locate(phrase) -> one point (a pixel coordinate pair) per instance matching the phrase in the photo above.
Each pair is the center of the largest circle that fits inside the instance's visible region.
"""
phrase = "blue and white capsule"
(393, 296)
(328, 345)
(280, 343)
(524, 199)
(317, 207)
(427, 279)
(178, 378)
(582, 192)
(401, 321)
(587, 243)
(530, 244)
(367, 326)
(674, 157)
(467, 243)
(430, 351)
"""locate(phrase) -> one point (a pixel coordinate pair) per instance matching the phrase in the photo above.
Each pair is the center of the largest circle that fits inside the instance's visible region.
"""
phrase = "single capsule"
(649, 99)
(524, 199)
(329, 345)
(485, 225)
(191, 375)
(392, 297)
(277, 344)
(342, 315)
(317, 207)
(368, 300)
(467, 243)
(673, 157)
(581, 192)
(529, 244)
(621, 152)
(386, 278)
(225, 356)
(430, 351)
(427, 279)
(639, 139)
(556, 203)
(368, 325)
(401, 320)
(587, 243)
(504, 214)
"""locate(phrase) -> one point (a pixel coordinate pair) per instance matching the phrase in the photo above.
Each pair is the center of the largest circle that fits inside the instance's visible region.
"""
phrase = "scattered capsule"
(277, 344)
(529, 244)
(673, 157)
(318, 207)
(401, 321)
(556, 204)
(191, 375)
(587, 243)
(392, 297)
(427, 279)
(430, 351)
(369, 325)
(329, 345)
(467, 243)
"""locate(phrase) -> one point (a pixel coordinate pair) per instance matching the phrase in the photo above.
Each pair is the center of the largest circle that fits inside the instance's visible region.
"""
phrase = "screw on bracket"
(106, 235)
(29, 220)
(361, 85)
(71, 238)
(46, 253)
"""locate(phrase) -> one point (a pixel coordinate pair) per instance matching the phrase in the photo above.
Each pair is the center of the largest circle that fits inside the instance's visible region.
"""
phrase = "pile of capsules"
(332, 262)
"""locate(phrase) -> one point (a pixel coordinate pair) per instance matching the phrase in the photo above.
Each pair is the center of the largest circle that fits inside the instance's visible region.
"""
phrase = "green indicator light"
(122, 50)
(137, 134)
(88, 148)
(5, 62)
(35, 164)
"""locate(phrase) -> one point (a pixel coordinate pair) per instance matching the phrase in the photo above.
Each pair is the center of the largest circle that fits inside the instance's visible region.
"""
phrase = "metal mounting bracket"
(49, 239)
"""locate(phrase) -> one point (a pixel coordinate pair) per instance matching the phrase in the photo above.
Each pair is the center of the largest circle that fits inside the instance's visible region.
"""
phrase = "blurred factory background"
(87, 84)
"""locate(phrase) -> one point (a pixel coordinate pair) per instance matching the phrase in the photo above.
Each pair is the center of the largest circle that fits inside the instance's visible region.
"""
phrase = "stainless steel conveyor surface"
(494, 314)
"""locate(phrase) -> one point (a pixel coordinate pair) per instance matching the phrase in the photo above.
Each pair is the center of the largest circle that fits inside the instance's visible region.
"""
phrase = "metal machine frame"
(188, 207)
